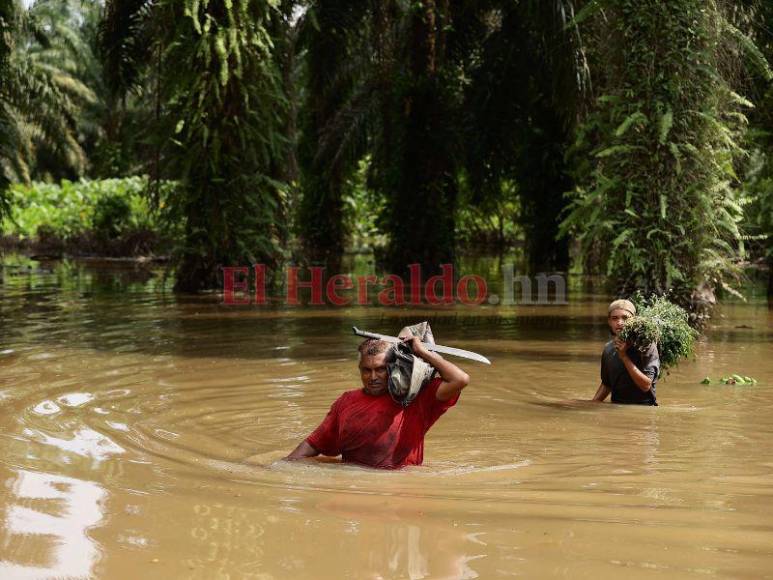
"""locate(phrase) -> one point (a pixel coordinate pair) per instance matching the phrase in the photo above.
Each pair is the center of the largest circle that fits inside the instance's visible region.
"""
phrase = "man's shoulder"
(352, 395)
(609, 348)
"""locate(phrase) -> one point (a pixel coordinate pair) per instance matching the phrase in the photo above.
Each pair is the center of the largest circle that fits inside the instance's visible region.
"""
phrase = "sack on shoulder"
(408, 373)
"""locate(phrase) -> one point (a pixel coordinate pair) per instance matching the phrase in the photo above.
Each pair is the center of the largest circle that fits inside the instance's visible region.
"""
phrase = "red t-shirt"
(376, 431)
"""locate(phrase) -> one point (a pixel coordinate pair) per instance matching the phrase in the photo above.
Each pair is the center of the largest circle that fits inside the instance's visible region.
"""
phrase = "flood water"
(141, 435)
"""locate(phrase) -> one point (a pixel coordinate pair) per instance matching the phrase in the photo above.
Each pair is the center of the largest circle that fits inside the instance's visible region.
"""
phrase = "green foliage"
(43, 94)
(433, 91)
(381, 81)
(219, 133)
(125, 46)
(757, 202)
(109, 206)
(362, 207)
(757, 191)
(734, 379)
(493, 221)
(529, 78)
(420, 126)
(335, 116)
(656, 201)
(8, 135)
(663, 323)
(111, 216)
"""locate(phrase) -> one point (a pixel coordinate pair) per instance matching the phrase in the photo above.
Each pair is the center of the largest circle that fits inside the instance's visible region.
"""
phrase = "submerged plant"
(665, 324)
(732, 380)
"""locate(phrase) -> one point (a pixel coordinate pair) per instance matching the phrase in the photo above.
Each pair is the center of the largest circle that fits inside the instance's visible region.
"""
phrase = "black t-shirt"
(616, 377)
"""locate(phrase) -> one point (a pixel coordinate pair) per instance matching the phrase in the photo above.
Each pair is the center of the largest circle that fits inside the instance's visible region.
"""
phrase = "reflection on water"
(142, 434)
(84, 442)
(437, 548)
(47, 526)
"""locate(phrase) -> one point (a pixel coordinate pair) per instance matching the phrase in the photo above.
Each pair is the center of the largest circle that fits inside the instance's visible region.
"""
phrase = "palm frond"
(124, 43)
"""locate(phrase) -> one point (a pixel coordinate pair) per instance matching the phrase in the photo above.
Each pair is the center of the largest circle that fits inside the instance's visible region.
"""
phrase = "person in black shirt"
(628, 374)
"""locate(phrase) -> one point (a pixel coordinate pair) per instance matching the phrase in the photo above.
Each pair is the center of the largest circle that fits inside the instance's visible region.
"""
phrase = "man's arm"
(325, 437)
(453, 378)
(601, 394)
(303, 451)
(639, 378)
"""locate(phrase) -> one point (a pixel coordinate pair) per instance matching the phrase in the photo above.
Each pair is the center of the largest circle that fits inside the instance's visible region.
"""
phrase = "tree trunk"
(421, 217)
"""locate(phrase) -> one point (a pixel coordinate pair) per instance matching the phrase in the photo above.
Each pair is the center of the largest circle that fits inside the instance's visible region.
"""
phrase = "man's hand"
(454, 378)
(417, 346)
(303, 451)
(621, 347)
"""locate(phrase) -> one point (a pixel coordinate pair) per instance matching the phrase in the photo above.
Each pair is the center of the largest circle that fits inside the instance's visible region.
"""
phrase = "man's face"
(617, 319)
(373, 372)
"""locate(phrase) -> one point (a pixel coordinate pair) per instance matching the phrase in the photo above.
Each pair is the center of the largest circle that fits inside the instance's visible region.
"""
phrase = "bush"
(109, 217)
(112, 216)
(69, 209)
(661, 322)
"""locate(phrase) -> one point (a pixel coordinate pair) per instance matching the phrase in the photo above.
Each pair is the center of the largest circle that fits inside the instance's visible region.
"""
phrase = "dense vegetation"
(660, 204)
(294, 129)
(111, 217)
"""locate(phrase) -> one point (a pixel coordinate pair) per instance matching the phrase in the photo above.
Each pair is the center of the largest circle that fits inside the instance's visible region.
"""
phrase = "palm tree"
(329, 36)
(42, 96)
(657, 196)
(380, 81)
(526, 93)
(430, 89)
(127, 45)
(8, 135)
(216, 93)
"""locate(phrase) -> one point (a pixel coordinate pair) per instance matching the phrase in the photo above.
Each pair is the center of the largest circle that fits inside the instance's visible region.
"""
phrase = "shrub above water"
(70, 208)
(112, 215)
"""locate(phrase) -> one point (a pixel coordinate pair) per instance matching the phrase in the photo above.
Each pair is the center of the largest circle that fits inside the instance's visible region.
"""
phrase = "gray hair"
(372, 346)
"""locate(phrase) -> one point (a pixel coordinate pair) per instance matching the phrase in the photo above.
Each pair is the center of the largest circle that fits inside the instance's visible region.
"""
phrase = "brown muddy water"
(141, 435)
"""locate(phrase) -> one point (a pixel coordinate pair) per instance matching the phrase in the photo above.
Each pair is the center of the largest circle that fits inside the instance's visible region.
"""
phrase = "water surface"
(141, 437)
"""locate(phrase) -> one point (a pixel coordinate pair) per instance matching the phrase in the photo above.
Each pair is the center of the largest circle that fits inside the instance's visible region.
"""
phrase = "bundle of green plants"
(663, 323)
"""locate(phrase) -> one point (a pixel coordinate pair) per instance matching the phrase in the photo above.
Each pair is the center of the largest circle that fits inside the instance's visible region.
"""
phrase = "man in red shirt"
(368, 427)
